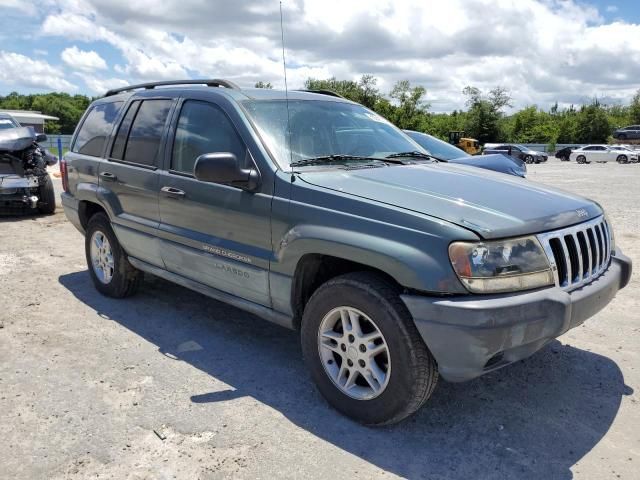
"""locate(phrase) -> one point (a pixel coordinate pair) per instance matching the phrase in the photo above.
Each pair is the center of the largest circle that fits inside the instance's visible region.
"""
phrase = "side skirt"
(254, 308)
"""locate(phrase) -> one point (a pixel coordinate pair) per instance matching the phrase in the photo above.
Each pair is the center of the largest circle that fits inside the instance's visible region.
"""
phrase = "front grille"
(578, 254)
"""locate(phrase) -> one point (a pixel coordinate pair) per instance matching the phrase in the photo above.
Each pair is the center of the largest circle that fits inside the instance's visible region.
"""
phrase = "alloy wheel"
(102, 257)
(354, 353)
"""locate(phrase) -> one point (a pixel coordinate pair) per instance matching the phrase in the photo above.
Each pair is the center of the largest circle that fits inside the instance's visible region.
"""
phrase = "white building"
(30, 118)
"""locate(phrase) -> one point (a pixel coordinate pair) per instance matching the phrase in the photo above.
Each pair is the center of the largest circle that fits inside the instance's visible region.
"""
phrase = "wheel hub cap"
(354, 353)
(101, 257)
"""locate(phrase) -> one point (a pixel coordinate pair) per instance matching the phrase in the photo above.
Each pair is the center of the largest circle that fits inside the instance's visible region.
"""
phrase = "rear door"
(214, 234)
(601, 153)
(129, 177)
(88, 147)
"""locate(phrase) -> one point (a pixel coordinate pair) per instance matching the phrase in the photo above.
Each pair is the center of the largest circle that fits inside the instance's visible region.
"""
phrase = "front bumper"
(472, 335)
(18, 194)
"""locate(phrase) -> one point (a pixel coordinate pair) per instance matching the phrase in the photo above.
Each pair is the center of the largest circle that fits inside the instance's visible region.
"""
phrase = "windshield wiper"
(332, 160)
(413, 154)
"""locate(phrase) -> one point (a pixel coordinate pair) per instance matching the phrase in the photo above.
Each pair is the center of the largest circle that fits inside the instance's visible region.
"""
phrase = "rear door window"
(145, 133)
(96, 128)
(117, 151)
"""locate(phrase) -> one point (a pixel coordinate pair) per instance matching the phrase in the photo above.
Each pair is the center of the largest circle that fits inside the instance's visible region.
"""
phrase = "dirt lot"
(170, 384)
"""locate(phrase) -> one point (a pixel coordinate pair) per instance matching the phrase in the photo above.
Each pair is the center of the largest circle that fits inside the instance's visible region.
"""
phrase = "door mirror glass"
(224, 168)
(41, 137)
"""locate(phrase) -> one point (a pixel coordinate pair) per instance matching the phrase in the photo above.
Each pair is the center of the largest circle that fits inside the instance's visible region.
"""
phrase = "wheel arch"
(317, 254)
(87, 209)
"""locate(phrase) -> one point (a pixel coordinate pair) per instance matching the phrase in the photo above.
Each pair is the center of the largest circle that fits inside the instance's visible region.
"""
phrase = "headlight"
(501, 266)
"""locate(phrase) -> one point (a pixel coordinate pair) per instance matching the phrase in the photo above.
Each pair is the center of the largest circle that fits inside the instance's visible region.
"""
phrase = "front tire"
(47, 203)
(581, 159)
(528, 159)
(622, 159)
(111, 272)
(364, 351)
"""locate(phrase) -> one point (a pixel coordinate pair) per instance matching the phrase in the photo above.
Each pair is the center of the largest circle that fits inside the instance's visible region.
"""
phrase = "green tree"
(634, 109)
(262, 84)
(364, 91)
(66, 107)
(483, 120)
(411, 110)
(592, 124)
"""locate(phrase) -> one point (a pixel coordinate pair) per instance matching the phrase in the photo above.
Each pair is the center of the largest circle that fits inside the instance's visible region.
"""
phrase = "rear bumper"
(71, 209)
(472, 335)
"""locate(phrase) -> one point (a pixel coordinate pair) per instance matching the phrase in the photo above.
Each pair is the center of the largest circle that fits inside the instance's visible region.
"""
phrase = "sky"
(543, 51)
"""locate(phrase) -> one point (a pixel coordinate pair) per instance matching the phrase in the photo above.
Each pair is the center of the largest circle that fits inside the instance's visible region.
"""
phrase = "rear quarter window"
(96, 128)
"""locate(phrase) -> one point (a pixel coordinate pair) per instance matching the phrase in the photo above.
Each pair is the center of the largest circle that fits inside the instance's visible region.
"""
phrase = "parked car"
(316, 213)
(518, 151)
(446, 152)
(564, 153)
(629, 155)
(7, 121)
(631, 132)
(25, 185)
(603, 154)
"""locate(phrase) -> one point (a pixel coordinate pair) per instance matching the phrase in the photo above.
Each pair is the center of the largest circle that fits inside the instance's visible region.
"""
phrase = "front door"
(214, 234)
(129, 177)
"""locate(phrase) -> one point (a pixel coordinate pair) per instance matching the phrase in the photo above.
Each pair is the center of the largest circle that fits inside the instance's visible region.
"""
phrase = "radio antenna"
(286, 86)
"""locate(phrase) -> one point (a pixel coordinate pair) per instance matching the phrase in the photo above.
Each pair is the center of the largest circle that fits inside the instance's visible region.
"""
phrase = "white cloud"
(542, 50)
(20, 5)
(99, 85)
(612, 8)
(86, 61)
(19, 70)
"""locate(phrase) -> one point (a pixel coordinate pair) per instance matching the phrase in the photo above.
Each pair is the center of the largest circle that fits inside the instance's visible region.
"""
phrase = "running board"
(251, 307)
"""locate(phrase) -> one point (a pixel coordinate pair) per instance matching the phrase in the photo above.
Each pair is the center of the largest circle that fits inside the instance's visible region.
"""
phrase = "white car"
(603, 153)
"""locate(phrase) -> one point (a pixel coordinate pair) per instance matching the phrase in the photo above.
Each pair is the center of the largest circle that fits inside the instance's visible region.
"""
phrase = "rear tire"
(404, 375)
(47, 203)
(622, 136)
(111, 272)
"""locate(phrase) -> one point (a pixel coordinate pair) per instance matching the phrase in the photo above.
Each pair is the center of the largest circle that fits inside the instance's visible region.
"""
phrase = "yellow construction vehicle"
(469, 145)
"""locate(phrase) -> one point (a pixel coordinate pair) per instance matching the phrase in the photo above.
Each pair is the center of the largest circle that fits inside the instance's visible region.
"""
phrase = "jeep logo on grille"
(581, 212)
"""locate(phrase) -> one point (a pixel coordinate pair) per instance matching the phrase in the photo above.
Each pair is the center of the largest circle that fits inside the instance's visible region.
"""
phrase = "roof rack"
(215, 82)
(331, 93)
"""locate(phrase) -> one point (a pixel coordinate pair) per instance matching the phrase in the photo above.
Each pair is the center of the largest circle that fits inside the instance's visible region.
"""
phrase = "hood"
(491, 204)
(534, 152)
(16, 139)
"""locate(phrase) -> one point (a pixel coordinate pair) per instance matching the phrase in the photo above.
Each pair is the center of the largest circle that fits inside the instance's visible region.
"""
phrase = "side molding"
(254, 308)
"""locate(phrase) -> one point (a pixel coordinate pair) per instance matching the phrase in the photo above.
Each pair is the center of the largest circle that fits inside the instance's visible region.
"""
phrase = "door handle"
(173, 192)
(108, 176)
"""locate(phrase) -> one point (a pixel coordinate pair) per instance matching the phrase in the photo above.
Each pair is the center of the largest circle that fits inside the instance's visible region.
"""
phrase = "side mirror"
(41, 137)
(224, 168)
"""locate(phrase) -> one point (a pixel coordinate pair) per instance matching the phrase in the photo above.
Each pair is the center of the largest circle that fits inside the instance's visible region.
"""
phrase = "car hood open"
(493, 205)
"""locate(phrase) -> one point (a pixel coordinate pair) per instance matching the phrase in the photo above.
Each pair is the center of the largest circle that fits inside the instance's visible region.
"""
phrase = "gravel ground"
(170, 384)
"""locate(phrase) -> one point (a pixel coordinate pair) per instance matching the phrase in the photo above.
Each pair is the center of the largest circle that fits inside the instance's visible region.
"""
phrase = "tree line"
(68, 108)
(484, 117)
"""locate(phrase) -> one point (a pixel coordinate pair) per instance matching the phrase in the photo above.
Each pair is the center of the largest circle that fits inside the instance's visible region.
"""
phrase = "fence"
(52, 141)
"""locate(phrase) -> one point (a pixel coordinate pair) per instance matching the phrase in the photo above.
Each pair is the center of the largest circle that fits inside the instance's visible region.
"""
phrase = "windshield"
(324, 128)
(436, 147)
(6, 123)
